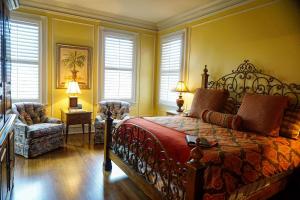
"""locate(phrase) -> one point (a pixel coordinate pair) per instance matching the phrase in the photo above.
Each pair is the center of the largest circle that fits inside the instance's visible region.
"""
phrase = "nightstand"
(174, 113)
(78, 117)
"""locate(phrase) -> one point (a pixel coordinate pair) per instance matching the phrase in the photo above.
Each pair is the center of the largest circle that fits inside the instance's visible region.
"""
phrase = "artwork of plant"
(73, 64)
(73, 60)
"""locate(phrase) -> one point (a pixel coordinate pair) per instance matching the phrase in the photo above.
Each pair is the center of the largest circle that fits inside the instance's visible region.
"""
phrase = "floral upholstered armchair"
(35, 133)
(120, 111)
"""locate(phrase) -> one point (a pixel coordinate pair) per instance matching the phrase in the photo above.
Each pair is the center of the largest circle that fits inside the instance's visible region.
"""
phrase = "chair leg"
(67, 132)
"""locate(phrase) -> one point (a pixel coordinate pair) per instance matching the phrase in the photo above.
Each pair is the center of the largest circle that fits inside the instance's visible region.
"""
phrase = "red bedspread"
(239, 159)
(172, 140)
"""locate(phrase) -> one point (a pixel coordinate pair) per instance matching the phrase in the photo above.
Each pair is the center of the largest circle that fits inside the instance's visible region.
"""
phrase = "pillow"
(290, 125)
(221, 119)
(229, 107)
(210, 99)
(22, 117)
(42, 114)
(28, 119)
(262, 113)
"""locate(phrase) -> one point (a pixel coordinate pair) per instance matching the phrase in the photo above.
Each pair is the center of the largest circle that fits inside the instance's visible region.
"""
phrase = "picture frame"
(73, 63)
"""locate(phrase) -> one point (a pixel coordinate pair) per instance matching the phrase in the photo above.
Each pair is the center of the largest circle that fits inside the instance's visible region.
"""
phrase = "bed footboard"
(144, 156)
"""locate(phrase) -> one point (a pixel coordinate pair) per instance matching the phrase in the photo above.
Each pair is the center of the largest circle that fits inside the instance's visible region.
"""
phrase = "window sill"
(132, 102)
(167, 105)
(26, 100)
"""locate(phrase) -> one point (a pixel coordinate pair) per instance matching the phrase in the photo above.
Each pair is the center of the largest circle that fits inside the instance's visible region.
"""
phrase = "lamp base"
(73, 102)
(179, 110)
(179, 103)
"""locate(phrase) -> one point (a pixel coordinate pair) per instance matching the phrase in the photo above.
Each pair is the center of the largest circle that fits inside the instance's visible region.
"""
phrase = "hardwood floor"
(72, 172)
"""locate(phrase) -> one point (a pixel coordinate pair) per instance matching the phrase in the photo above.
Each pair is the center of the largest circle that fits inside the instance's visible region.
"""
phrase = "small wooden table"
(78, 117)
(175, 113)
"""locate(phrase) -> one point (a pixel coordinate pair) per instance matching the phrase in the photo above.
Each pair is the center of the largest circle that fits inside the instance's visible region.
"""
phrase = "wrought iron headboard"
(247, 79)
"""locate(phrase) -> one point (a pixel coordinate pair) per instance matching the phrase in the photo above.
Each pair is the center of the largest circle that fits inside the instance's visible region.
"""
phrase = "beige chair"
(35, 133)
(120, 111)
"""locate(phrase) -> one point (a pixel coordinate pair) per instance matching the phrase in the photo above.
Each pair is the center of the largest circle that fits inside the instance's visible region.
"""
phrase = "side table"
(175, 113)
(78, 117)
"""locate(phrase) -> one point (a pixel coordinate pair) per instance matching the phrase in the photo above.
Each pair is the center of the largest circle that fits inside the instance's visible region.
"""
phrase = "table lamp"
(181, 87)
(73, 90)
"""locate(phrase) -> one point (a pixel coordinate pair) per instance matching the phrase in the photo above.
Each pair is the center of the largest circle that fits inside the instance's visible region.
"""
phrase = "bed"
(153, 151)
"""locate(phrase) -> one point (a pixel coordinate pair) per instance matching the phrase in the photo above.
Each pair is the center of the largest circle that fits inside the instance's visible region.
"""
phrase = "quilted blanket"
(239, 159)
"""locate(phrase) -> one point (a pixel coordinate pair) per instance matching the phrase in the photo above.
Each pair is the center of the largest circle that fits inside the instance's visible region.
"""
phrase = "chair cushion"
(43, 129)
(263, 113)
(100, 123)
(210, 99)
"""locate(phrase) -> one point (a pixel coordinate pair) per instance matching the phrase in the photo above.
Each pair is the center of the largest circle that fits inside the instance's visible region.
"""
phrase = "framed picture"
(73, 64)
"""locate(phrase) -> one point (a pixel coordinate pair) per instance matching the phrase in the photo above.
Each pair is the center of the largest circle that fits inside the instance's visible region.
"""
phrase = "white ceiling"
(141, 13)
(148, 10)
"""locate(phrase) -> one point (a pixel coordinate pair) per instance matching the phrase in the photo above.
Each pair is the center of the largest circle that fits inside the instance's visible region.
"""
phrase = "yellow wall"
(80, 31)
(265, 32)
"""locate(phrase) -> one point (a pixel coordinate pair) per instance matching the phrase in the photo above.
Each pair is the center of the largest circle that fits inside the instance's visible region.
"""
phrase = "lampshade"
(73, 88)
(181, 87)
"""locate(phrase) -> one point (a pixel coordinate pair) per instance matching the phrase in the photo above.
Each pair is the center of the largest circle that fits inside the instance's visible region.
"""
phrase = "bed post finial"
(107, 140)
(205, 76)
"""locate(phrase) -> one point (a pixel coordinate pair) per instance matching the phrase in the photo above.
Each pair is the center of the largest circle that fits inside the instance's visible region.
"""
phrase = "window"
(25, 59)
(170, 67)
(119, 65)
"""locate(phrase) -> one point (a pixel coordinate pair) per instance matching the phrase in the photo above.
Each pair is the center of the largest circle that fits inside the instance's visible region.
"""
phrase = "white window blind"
(170, 67)
(25, 59)
(119, 65)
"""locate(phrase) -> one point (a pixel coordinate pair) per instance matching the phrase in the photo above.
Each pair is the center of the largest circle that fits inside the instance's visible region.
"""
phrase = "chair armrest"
(99, 118)
(53, 120)
(124, 116)
(102, 116)
(20, 128)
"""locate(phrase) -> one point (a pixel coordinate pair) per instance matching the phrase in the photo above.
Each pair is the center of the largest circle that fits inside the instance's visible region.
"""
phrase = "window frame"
(120, 33)
(43, 79)
(163, 39)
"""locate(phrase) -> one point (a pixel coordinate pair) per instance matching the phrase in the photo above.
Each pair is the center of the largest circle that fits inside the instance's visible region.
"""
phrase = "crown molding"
(89, 13)
(185, 17)
(200, 12)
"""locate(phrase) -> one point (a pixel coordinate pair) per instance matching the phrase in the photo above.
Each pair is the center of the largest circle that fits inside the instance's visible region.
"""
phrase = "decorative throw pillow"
(221, 119)
(22, 117)
(210, 99)
(28, 119)
(35, 116)
(42, 114)
(290, 125)
(262, 113)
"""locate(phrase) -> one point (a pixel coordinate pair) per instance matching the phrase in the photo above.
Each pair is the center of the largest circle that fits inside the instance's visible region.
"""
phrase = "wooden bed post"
(205, 76)
(195, 171)
(107, 140)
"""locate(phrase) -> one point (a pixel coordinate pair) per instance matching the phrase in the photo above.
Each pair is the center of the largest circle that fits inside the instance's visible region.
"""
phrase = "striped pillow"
(221, 119)
(290, 125)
